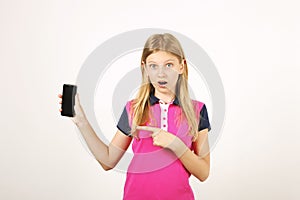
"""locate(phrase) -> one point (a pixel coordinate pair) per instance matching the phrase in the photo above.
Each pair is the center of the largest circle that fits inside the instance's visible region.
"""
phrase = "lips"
(162, 82)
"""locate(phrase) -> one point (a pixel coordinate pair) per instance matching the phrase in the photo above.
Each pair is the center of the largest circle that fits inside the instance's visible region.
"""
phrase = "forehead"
(161, 56)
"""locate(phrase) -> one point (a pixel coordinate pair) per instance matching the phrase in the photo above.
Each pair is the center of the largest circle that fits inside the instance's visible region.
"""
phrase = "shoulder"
(129, 104)
(202, 115)
(198, 105)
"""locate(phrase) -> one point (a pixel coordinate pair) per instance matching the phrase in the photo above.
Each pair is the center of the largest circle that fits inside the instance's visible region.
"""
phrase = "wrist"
(178, 147)
(82, 122)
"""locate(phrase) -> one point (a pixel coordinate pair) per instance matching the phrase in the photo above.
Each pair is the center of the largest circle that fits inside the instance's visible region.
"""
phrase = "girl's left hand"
(160, 137)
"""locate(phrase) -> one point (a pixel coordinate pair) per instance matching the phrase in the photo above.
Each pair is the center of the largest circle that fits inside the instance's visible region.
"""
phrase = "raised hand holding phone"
(70, 104)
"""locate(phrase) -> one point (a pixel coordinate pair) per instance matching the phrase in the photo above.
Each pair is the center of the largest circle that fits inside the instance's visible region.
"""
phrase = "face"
(163, 69)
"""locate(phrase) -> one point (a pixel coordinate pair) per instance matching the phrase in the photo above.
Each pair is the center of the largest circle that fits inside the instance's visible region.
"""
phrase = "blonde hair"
(141, 104)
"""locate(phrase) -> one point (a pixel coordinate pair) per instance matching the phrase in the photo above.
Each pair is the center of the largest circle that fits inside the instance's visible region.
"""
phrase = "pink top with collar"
(154, 172)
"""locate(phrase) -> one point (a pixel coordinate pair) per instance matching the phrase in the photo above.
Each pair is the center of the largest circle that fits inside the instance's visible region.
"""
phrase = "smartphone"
(68, 100)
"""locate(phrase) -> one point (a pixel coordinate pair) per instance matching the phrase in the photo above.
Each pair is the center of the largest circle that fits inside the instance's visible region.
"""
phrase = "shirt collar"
(154, 99)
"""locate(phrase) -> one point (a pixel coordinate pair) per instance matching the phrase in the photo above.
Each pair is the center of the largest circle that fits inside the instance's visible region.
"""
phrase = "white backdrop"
(255, 46)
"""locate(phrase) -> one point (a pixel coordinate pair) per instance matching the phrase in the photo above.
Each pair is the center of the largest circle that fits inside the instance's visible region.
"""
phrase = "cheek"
(173, 77)
(152, 77)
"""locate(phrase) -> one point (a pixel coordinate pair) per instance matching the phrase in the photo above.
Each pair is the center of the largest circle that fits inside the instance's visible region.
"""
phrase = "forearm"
(98, 148)
(196, 165)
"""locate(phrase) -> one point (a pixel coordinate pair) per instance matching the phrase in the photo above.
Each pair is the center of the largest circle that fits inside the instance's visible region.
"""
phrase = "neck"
(166, 97)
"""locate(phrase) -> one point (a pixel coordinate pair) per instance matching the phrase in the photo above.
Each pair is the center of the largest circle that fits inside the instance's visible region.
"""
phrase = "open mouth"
(162, 83)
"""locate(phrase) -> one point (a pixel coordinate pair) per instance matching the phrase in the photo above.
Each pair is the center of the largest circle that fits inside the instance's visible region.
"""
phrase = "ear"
(181, 67)
(143, 65)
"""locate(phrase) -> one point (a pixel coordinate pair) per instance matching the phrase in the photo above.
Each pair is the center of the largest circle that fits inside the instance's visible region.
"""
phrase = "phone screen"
(68, 100)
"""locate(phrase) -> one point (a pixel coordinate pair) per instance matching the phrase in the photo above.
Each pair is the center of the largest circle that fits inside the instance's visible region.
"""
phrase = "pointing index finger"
(147, 128)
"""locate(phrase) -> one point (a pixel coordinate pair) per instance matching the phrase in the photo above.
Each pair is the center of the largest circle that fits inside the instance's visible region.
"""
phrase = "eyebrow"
(164, 62)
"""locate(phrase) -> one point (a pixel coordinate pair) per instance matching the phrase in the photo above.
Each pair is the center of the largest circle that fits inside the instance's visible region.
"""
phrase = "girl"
(169, 131)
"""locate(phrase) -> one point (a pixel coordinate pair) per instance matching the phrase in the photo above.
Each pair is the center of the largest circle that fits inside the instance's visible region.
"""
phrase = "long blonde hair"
(141, 104)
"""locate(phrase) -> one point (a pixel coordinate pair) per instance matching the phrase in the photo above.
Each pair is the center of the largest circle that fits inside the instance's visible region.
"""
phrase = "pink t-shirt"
(154, 172)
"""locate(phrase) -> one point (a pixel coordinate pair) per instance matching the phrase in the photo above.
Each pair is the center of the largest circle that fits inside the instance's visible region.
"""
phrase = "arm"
(107, 156)
(197, 162)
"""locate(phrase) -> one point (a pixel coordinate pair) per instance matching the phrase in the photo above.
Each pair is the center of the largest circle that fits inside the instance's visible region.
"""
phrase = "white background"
(254, 45)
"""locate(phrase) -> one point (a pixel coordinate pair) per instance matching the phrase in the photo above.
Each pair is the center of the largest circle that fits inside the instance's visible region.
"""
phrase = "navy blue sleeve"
(123, 124)
(204, 120)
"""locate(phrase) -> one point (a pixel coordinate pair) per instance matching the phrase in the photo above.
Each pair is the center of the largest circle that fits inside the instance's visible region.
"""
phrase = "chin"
(163, 90)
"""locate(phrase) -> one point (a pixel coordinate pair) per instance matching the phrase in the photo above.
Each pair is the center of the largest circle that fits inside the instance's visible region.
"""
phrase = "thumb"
(77, 98)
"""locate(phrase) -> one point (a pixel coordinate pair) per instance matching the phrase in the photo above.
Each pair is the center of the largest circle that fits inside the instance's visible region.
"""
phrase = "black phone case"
(68, 100)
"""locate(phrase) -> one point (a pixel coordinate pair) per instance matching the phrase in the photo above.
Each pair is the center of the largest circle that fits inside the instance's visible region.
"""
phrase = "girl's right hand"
(79, 113)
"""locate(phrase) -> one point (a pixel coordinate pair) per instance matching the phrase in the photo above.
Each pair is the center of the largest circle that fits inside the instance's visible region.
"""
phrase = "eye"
(169, 65)
(152, 66)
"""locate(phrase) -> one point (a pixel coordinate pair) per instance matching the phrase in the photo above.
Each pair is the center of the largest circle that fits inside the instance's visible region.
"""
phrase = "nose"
(161, 71)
